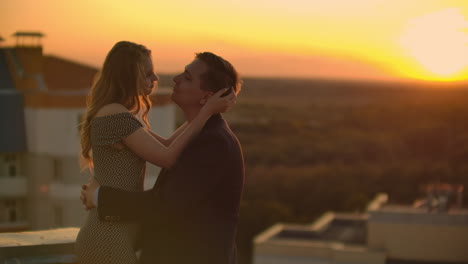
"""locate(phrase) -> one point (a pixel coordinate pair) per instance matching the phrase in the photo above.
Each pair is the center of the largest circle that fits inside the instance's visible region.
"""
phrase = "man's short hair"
(220, 73)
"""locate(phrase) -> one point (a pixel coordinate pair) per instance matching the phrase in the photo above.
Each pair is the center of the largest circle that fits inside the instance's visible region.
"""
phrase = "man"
(191, 214)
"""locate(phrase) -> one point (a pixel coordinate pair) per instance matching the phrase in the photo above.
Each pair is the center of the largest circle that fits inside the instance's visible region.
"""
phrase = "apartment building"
(434, 231)
(42, 98)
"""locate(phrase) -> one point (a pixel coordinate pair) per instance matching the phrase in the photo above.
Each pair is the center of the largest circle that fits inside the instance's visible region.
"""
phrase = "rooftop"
(53, 82)
(63, 74)
(341, 228)
(28, 34)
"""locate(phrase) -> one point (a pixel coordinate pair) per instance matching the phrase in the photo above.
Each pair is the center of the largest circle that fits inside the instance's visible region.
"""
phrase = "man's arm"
(118, 205)
(114, 204)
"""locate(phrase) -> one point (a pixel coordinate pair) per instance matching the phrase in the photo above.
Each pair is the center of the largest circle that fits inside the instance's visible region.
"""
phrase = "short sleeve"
(111, 129)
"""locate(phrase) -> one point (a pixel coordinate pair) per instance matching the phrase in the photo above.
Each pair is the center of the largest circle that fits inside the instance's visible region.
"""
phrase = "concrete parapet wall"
(48, 246)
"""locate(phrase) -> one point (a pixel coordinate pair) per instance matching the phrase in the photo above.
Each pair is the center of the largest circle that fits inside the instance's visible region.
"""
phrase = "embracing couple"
(191, 213)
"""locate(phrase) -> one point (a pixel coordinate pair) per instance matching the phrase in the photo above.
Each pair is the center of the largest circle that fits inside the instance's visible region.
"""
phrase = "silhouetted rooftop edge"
(28, 33)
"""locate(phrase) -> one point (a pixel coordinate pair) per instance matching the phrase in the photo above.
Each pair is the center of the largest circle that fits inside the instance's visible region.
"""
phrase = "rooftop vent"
(441, 197)
(28, 38)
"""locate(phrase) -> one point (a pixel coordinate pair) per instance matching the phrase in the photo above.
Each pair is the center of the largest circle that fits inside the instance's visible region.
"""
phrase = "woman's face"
(150, 76)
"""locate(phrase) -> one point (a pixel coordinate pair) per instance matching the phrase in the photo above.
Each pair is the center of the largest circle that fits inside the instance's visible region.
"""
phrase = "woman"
(116, 145)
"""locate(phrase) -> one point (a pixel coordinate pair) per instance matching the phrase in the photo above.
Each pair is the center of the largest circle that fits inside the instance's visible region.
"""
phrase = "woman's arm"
(143, 144)
(167, 141)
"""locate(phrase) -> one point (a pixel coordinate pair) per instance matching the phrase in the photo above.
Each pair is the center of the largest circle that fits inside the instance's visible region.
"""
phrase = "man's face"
(187, 89)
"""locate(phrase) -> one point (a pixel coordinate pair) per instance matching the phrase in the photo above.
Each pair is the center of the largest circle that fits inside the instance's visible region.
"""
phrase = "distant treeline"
(313, 146)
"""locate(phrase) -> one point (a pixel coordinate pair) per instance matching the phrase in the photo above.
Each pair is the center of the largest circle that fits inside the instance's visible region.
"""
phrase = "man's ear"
(206, 97)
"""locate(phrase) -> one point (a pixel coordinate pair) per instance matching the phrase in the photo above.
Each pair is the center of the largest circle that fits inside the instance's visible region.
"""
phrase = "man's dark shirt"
(191, 214)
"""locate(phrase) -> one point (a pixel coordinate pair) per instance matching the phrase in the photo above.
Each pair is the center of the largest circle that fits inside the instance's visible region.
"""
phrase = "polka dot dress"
(118, 167)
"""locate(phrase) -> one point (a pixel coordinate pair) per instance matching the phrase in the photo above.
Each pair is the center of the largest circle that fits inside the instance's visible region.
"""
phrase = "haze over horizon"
(342, 39)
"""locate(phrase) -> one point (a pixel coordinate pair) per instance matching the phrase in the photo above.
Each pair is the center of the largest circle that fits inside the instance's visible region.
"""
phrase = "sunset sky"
(375, 39)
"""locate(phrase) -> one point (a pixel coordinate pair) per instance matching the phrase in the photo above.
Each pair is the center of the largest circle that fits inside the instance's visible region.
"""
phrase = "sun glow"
(439, 42)
(368, 39)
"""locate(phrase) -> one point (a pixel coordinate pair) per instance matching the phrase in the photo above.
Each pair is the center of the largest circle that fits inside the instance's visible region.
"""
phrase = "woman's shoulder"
(111, 123)
(111, 109)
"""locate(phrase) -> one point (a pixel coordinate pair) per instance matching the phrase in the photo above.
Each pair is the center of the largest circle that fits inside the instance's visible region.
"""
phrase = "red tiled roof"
(41, 99)
(67, 82)
(61, 74)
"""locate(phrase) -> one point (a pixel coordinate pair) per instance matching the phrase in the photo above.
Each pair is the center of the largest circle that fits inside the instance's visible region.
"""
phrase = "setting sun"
(439, 43)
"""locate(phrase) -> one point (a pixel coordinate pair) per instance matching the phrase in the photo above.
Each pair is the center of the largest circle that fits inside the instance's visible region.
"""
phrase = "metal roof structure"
(28, 34)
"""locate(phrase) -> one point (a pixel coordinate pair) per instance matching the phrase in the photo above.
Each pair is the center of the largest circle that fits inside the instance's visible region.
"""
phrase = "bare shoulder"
(111, 109)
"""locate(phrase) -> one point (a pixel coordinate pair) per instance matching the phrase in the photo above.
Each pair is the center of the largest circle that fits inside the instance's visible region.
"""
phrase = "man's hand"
(87, 193)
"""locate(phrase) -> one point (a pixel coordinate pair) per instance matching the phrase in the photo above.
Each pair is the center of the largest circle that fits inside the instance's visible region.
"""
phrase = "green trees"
(305, 155)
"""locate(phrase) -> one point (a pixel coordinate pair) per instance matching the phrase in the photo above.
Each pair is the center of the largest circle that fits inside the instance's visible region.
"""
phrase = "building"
(42, 99)
(385, 234)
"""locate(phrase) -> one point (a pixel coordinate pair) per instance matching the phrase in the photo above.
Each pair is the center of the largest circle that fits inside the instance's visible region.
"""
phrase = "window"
(12, 216)
(10, 165)
(11, 210)
(57, 176)
(12, 170)
(58, 215)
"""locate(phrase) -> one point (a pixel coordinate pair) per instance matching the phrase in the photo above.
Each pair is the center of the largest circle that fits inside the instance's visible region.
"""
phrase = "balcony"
(47, 247)
(13, 186)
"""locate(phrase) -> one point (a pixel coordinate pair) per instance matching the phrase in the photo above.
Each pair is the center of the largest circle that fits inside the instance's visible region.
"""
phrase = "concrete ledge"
(418, 216)
(47, 246)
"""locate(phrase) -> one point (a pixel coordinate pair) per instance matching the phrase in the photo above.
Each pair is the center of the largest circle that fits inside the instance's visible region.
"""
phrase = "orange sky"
(375, 39)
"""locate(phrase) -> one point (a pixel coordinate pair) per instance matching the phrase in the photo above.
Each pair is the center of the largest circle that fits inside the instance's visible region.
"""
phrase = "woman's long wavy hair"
(122, 80)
